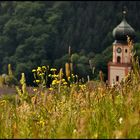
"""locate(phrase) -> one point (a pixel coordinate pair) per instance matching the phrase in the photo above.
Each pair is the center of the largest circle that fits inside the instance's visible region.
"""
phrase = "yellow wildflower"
(68, 78)
(42, 122)
(41, 74)
(50, 89)
(44, 67)
(2, 102)
(54, 82)
(83, 87)
(63, 80)
(37, 81)
(34, 89)
(72, 75)
(55, 76)
(65, 83)
(39, 69)
(53, 69)
(33, 70)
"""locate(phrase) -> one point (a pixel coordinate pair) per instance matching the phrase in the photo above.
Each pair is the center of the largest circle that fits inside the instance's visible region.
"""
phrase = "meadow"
(70, 108)
(91, 110)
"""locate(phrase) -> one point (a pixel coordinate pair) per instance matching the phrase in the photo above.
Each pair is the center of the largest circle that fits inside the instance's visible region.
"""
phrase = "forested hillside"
(36, 33)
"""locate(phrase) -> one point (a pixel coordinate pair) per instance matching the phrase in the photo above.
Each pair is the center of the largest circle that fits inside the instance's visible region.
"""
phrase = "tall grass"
(96, 112)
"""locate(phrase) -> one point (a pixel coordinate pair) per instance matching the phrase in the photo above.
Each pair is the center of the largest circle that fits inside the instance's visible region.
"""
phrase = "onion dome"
(123, 30)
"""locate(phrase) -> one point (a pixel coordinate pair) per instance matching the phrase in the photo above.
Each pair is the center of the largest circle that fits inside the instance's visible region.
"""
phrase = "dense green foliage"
(34, 33)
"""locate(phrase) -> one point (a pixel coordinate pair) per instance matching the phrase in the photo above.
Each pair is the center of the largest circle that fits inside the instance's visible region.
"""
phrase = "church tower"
(121, 61)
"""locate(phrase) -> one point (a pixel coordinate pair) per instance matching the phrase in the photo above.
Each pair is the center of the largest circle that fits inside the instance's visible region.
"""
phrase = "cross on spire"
(124, 12)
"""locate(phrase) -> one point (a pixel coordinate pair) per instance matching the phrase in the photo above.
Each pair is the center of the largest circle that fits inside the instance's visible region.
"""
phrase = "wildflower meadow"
(70, 108)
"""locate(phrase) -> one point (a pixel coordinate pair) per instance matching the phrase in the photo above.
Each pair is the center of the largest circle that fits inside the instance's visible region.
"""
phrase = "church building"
(120, 65)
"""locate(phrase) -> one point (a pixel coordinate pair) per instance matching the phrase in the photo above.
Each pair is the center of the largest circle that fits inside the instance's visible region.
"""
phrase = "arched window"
(118, 59)
(117, 78)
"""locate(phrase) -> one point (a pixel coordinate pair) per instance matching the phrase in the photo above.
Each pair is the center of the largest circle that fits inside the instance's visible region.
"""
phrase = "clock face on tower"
(119, 50)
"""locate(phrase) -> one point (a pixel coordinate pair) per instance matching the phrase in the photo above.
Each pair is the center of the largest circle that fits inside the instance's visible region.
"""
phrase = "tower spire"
(124, 12)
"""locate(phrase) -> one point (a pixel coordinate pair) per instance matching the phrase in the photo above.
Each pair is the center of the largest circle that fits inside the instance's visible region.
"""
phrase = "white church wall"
(116, 71)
